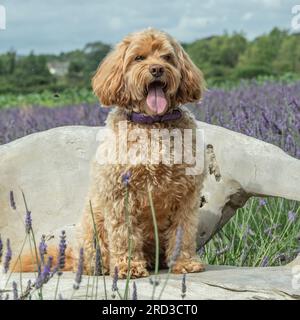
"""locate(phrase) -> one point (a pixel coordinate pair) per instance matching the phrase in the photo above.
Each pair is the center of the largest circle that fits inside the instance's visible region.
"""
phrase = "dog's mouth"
(156, 98)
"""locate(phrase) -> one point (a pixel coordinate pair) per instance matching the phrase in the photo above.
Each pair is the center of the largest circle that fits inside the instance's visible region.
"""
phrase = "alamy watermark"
(295, 22)
(2, 17)
(152, 147)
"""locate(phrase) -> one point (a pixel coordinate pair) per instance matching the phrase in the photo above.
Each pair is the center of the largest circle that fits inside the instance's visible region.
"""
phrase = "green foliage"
(232, 58)
(263, 233)
(48, 98)
(227, 58)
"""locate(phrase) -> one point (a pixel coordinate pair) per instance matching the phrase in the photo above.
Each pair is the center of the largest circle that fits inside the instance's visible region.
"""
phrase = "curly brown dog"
(147, 76)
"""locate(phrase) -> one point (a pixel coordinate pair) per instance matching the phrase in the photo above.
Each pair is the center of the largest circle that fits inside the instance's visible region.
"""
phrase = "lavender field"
(266, 231)
(270, 112)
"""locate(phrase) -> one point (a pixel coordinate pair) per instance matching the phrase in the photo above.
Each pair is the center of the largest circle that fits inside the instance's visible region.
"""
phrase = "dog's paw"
(137, 270)
(187, 266)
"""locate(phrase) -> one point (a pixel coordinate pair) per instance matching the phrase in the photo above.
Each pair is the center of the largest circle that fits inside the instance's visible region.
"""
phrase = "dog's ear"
(108, 82)
(192, 83)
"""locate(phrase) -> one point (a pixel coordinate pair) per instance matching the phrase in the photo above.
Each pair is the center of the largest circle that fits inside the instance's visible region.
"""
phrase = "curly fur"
(122, 81)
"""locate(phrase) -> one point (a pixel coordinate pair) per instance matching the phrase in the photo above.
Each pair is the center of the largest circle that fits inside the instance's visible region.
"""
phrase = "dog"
(148, 77)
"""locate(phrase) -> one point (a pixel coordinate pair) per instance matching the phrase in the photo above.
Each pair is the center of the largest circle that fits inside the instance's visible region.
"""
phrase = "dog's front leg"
(119, 233)
(181, 239)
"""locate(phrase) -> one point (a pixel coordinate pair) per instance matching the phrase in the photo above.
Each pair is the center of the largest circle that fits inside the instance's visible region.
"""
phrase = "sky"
(53, 26)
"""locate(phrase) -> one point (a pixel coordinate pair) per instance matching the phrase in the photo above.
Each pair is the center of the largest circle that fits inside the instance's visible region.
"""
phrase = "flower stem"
(98, 244)
(156, 241)
(129, 244)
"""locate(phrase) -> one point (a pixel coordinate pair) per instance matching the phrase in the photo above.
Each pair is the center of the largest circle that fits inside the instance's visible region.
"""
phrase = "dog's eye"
(167, 57)
(139, 58)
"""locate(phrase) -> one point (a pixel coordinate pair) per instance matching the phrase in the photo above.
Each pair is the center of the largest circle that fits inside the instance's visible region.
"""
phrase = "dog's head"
(148, 72)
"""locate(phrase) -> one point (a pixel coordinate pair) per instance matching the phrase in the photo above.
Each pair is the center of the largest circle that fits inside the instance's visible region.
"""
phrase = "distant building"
(57, 68)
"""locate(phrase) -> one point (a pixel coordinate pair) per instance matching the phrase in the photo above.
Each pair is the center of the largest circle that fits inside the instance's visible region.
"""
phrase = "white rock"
(218, 282)
(52, 169)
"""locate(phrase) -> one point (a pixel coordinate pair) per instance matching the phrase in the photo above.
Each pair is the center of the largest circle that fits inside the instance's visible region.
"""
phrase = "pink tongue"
(156, 99)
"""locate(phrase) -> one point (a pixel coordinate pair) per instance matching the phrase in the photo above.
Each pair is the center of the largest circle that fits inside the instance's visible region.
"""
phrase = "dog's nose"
(156, 70)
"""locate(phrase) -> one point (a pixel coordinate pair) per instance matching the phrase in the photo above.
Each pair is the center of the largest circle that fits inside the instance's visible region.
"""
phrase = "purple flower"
(79, 272)
(8, 256)
(264, 262)
(183, 286)
(201, 251)
(98, 261)
(43, 248)
(269, 231)
(126, 178)
(61, 260)
(291, 216)
(1, 249)
(12, 200)
(222, 251)
(134, 291)
(248, 232)
(262, 202)
(115, 280)
(177, 248)
(15, 290)
(44, 276)
(28, 221)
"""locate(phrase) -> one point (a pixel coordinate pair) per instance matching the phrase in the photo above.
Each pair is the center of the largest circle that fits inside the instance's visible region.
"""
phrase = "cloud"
(55, 26)
(247, 16)
(115, 23)
(270, 3)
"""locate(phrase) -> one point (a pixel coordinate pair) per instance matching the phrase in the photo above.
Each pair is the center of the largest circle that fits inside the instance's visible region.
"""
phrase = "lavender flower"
(27, 291)
(79, 272)
(43, 248)
(98, 261)
(201, 251)
(15, 290)
(248, 232)
(222, 251)
(126, 178)
(8, 256)
(12, 200)
(262, 202)
(183, 286)
(291, 216)
(134, 292)
(269, 231)
(115, 281)
(264, 262)
(61, 260)
(1, 249)
(28, 221)
(44, 276)
(177, 248)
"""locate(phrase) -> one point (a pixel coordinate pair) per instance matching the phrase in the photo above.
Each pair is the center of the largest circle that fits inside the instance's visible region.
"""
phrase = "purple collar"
(143, 118)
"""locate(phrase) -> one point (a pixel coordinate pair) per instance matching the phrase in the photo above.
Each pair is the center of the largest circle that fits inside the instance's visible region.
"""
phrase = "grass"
(76, 96)
(48, 99)
(263, 233)
(266, 232)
